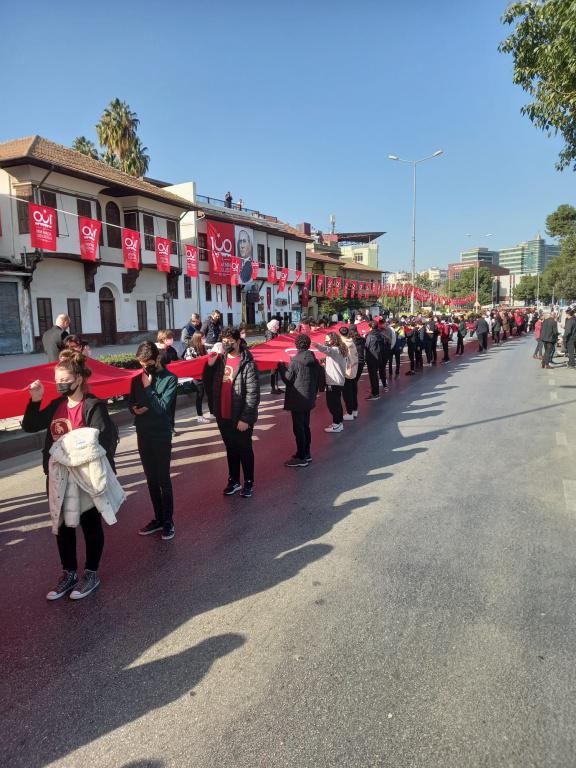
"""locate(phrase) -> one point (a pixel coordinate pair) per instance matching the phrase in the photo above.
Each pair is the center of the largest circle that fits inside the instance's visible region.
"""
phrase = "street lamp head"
(438, 152)
(393, 157)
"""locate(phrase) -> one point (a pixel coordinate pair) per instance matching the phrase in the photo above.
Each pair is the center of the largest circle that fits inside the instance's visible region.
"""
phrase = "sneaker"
(308, 458)
(168, 532)
(231, 488)
(246, 492)
(89, 583)
(410, 373)
(202, 420)
(67, 582)
(373, 397)
(334, 428)
(152, 527)
(296, 462)
(355, 414)
(348, 417)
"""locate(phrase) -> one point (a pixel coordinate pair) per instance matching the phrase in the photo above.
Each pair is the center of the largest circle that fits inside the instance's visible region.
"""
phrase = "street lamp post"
(414, 163)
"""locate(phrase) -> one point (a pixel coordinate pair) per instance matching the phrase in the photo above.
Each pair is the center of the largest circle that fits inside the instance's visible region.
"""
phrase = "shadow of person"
(144, 764)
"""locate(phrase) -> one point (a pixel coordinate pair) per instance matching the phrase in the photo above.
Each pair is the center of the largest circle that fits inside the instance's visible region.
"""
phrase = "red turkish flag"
(191, 260)
(42, 227)
(131, 248)
(329, 284)
(89, 233)
(272, 278)
(307, 281)
(162, 254)
(353, 289)
(319, 283)
(337, 286)
(298, 276)
(235, 266)
(255, 270)
(283, 279)
(360, 287)
(345, 291)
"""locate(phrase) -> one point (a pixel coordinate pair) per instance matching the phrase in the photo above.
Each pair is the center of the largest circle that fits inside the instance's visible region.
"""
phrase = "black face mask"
(150, 370)
(228, 347)
(65, 388)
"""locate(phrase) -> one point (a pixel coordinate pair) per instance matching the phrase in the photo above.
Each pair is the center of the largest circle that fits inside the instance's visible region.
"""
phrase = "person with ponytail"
(74, 408)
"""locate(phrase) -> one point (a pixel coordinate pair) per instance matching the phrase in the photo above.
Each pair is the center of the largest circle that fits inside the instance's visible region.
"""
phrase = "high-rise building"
(528, 258)
(479, 254)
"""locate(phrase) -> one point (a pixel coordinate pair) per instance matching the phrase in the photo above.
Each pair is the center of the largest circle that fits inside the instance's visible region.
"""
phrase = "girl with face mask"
(75, 407)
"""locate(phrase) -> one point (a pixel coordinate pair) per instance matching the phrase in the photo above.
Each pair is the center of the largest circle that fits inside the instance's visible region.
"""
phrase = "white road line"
(552, 382)
(570, 494)
(553, 395)
(561, 438)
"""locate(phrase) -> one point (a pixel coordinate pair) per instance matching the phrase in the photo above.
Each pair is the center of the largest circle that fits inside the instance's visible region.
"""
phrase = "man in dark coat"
(301, 379)
(375, 353)
(482, 329)
(232, 378)
(212, 329)
(549, 337)
(53, 338)
(570, 337)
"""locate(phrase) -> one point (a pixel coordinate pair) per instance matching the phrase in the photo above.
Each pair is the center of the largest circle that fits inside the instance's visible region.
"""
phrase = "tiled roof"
(48, 153)
(361, 267)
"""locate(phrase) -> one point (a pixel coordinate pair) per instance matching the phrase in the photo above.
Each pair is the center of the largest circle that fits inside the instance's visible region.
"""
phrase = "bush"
(120, 361)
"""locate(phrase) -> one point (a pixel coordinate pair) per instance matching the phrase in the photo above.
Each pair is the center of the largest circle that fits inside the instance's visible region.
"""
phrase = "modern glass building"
(527, 258)
(479, 254)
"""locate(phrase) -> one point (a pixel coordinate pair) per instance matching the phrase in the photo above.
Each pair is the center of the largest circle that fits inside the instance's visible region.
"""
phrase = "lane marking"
(553, 395)
(561, 438)
(570, 494)
(552, 382)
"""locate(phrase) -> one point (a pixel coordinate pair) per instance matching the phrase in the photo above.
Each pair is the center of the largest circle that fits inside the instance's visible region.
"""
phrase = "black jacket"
(52, 341)
(549, 330)
(301, 378)
(94, 412)
(569, 329)
(245, 388)
(375, 346)
(481, 326)
(360, 344)
(212, 331)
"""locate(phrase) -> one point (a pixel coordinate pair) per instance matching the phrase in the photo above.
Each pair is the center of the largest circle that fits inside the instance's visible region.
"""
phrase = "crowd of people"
(231, 386)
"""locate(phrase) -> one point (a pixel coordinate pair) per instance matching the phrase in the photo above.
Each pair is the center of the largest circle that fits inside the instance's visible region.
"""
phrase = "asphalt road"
(406, 601)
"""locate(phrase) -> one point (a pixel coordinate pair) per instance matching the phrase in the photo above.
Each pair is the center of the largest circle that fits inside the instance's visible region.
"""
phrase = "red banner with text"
(42, 227)
(191, 260)
(221, 251)
(89, 233)
(162, 245)
(131, 248)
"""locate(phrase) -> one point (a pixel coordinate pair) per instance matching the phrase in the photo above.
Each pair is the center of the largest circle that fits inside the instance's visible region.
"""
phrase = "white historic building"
(108, 303)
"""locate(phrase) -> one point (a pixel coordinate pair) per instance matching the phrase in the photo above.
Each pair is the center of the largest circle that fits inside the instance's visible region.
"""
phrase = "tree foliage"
(117, 133)
(561, 222)
(466, 284)
(543, 45)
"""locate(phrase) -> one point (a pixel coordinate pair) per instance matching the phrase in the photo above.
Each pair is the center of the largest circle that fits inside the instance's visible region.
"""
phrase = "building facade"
(528, 258)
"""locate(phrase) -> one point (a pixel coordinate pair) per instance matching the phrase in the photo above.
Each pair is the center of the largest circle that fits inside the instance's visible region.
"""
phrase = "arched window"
(114, 233)
(106, 294)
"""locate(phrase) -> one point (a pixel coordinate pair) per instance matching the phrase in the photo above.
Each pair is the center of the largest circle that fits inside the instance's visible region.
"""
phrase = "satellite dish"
(246, 271)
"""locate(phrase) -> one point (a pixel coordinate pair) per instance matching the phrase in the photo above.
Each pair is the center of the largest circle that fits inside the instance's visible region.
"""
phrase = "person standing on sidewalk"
(232, 378)
(350, 391)
(53, 338)
(301, 379)
(75, 407)
(570, 337)
(460, 336)
(212, 329)
(481, 329)
(549, 337)
(336, 359)
(375, 360)
(152, 394)
(165, 344)
(272, 331)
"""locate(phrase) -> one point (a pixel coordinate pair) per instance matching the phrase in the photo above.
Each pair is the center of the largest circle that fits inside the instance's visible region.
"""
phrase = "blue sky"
(295, 106)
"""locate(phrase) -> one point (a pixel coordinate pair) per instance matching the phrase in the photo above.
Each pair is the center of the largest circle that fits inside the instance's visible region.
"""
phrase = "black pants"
(430, 349)
(394, 355)
(570, 345)
(549, 347)
(334, 403)
(482, 342)
(459, 344)
(91, 524)
(418, 355)
(239, 451)
(301, 429)
(373, 375)
(351, 395)
(359, 372)
(155, 456)
(496, 336)
(444, 343)
(274, 381)
(411, 357)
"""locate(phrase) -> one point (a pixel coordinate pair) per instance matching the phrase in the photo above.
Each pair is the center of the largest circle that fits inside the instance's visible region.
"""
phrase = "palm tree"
(86, 147)
(117, 129)
(137, 160)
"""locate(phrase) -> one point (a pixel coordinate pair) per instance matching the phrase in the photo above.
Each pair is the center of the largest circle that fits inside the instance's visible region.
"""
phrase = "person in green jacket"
(151, 399)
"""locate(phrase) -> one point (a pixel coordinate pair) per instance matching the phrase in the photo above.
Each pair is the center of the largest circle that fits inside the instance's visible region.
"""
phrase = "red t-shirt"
(230, 367)
(66, 418)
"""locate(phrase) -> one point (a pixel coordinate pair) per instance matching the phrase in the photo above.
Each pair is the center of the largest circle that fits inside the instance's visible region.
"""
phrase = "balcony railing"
(234, 206)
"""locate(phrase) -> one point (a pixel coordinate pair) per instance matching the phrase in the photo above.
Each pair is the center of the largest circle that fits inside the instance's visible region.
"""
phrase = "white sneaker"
(202, 420)
(355, 414)
(348, 417)
(334, 428)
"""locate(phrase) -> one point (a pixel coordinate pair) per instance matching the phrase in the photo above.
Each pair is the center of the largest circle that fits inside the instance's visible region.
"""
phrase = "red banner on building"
(221, 251)
(353, 287)
(298, 276)
(235, 266)
(191, 260)
(89, 233)
(42, 227)
(307, 281)
(345, 291)
(283, 279)
(329, 285)
(272, 278)
(162, 254)
(337, 286)
(131, 248)
(255, 270)
(319, 283)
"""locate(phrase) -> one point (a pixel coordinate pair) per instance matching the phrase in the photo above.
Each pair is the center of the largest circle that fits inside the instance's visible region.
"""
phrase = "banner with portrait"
(245, 251)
